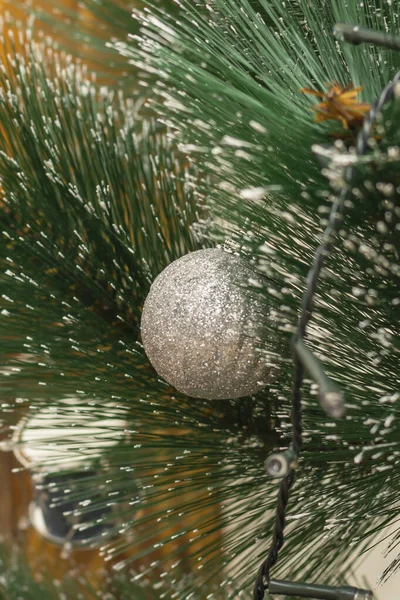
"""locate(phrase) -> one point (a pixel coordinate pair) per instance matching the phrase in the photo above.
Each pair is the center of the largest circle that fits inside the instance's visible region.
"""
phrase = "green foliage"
(96, 204)
(229, 86)
(240, 106)
(102, 203)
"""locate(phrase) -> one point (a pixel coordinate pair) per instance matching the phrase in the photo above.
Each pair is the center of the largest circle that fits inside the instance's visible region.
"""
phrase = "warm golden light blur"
(69, 19)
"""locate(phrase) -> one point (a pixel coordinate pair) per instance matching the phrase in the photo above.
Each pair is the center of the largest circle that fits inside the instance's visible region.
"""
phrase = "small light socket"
(279, 464)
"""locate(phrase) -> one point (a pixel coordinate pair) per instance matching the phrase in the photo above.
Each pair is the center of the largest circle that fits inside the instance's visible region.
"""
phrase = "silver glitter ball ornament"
(201, 326)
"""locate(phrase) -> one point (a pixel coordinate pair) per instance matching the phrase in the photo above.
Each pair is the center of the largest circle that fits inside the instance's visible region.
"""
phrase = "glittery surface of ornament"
(201, 326)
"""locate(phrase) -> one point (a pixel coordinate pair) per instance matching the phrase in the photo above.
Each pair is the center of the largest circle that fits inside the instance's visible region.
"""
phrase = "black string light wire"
(330, 395)
(354, 34)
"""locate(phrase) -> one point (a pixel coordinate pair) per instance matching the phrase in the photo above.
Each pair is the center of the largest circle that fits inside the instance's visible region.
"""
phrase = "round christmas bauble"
(201, 326)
